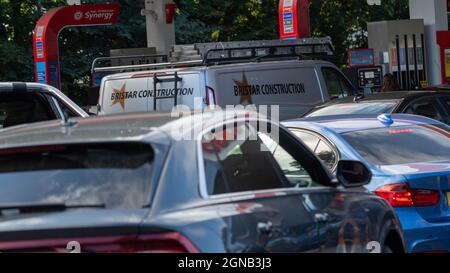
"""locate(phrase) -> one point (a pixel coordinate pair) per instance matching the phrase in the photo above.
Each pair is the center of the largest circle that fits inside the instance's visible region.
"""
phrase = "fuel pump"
(294, 19)
(443, 39)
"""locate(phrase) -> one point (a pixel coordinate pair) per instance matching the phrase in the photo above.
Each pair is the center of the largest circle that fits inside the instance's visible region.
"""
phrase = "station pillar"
(435, 16)
(160, 20)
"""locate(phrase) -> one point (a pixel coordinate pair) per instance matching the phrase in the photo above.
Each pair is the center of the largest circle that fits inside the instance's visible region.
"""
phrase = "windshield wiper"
(45, 207)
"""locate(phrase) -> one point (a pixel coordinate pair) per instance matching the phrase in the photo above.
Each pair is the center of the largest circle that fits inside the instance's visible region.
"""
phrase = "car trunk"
(100, 229)
(435, 177)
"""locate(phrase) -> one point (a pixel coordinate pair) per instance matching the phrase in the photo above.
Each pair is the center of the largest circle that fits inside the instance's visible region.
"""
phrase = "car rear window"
(355, 108)
(17, 109)
(402, 145)
(115, 175)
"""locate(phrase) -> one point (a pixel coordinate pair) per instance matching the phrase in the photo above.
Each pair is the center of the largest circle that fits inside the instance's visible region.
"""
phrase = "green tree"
(17, 20)
(197, 21)
(78, 46)
(346, 21)
(218, 20)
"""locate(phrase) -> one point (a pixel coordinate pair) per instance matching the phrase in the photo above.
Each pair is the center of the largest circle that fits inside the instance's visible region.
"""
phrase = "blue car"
(409, 157)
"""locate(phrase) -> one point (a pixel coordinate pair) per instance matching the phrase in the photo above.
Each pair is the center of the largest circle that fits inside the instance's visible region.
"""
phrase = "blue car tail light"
(402, 195)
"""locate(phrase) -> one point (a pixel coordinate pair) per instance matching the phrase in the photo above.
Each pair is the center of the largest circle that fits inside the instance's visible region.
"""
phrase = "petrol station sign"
(294, 19)
(46, 33)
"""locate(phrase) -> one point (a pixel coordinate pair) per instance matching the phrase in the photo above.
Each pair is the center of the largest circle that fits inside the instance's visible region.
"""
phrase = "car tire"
(387, 250)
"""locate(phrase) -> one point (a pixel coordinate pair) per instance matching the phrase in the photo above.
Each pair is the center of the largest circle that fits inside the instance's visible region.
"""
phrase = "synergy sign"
(45, 40)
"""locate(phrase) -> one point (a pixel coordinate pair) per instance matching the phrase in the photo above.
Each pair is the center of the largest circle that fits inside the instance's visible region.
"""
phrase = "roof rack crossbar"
(164, 58)
(217, 55)
(140, 67)
(225, 52)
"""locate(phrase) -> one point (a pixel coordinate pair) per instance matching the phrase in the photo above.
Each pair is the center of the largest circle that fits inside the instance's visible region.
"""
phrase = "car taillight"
(210, 97)
(154, 243)
(402, 195)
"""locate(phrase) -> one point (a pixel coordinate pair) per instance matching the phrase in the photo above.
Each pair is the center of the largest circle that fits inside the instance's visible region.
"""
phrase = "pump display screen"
(360, 57)
(370, 77)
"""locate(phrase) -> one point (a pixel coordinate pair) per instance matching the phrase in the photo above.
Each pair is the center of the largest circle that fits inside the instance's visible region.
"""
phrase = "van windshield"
(116, 175)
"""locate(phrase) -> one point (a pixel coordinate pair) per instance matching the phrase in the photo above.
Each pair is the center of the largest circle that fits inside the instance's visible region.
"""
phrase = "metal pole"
(399, 71)
(176, 88)
(416, 67)
(425, 76)
(155, 82)
(408, 75)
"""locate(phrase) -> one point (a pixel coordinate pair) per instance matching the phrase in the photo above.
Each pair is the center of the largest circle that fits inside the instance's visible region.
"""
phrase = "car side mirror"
(353, 173)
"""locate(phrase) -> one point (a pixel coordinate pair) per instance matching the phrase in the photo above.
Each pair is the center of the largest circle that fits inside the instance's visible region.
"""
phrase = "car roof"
(148, 127)
(393, 96)
(349, 123)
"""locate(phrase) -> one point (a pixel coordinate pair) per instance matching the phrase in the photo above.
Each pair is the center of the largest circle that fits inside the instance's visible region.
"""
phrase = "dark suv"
(431, 104)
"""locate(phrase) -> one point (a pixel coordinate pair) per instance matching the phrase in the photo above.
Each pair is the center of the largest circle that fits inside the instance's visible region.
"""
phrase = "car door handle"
(322, 218)
(265, 228)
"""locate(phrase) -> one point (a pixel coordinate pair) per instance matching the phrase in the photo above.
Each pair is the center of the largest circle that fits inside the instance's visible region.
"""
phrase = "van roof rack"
(118, 60)
(226, 52)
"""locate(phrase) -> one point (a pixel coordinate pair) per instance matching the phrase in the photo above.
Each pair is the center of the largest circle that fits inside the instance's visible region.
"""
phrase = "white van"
(295, 85)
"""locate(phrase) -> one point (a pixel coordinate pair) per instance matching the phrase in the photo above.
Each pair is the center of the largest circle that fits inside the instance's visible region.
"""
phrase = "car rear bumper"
(423, 236)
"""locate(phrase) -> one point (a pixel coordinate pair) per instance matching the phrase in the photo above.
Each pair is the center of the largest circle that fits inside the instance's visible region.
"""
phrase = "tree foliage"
(197, 21)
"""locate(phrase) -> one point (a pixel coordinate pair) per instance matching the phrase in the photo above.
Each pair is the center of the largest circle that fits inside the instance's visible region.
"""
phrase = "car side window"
(294, 172)
(17, 109)
(425, 107)
(337, 85)
(446, 101)
(320, 147)
(249, 161)
(67, 110)
(310, 140)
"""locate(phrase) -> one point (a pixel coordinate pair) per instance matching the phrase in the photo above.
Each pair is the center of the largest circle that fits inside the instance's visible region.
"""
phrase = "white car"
(22, 103)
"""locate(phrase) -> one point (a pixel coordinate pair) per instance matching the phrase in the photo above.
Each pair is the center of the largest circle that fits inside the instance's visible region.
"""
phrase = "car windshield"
(354, 108)
(402, 145)
(116, 175)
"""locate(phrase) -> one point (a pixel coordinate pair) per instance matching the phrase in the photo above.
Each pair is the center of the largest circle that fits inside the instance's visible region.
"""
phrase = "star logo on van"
(119, 96)
(243, 84)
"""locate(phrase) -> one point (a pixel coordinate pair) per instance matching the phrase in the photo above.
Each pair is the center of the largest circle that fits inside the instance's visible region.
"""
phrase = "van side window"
(337, 85)
(251, 161)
